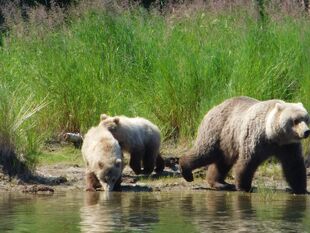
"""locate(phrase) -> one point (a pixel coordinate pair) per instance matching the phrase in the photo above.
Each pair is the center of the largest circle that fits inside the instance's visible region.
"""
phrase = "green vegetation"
(58, 76)
(19, 139)
(63, 155)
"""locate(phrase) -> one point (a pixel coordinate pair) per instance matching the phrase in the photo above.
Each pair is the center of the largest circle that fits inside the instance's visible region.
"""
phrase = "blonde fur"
(103, 156)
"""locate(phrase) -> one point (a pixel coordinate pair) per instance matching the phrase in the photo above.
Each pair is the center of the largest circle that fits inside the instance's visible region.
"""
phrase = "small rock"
(60, 180)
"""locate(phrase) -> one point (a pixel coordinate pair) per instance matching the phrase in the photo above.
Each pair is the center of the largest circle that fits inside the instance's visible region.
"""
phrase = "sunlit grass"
(170, 69)
(61, 155)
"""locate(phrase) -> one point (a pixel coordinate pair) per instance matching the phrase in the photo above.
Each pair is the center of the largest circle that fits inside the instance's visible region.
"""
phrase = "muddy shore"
(70, 177)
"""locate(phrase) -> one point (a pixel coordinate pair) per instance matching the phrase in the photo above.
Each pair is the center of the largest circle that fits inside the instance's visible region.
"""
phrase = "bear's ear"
(279, 106)
(118, 163)
(103, 116)
(116, 120)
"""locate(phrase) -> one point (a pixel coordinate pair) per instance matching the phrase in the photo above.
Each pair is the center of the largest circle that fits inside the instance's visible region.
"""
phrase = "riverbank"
(62, 169)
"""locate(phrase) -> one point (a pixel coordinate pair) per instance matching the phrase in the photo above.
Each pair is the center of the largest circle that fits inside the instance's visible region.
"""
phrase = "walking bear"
(140, 138)
(103, 158)
(244, 132)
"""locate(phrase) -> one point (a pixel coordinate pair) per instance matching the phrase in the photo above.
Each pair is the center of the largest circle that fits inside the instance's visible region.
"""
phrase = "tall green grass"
(170, 69)
(19, 139)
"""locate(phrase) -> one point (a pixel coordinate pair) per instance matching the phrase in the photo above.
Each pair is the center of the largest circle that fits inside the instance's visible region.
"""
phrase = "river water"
(173, 212)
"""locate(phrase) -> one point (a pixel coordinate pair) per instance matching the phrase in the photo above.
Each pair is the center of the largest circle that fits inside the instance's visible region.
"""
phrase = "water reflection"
(111, 212)
(231, 212)
(194, 212)
(38, 213)
(209, 211)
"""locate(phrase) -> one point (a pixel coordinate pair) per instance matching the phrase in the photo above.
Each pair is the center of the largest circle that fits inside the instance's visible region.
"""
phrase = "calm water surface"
(207, 211)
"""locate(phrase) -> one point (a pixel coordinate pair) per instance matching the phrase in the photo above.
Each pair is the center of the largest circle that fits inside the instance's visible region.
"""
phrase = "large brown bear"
(103, 158)
(140, 138)
(245, 132)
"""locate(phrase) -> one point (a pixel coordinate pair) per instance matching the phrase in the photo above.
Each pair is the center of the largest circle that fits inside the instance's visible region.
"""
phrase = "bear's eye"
(100, 165)
(296, 121)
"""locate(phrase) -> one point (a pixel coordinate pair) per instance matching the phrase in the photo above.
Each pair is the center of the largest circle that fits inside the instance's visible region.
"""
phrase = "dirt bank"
(69, 177)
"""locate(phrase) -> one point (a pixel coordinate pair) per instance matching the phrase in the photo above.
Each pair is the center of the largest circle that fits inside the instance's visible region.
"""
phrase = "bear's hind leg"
(217, 173)
(194, 160)
(245, 169)
(149, 159)
(160, 164)
(135, 161)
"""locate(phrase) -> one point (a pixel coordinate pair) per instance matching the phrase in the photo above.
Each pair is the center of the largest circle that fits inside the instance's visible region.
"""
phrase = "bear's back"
(140, 127)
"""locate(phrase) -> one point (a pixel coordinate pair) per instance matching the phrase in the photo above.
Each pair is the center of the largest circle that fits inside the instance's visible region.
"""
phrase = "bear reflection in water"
(241, 212)
(113, 212)
(198, 211)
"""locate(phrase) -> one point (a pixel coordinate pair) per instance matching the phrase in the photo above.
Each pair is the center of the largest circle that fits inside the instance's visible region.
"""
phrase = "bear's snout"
(302, 130)
(307, 133)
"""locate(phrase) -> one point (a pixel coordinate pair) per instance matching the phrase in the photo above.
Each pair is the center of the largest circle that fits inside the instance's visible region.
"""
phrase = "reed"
(170, 68)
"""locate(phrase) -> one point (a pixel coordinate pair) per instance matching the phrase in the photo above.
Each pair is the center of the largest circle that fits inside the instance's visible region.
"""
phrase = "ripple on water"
(203, 211)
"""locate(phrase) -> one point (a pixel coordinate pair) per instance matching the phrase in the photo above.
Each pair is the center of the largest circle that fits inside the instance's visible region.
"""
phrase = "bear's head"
(287, 123)
(109, 173)
(109, 122)
(116, 126)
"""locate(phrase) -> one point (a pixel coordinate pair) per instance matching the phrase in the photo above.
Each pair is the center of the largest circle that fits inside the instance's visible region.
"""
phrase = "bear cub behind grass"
(245, 132)
(103, 157)
(140, 138)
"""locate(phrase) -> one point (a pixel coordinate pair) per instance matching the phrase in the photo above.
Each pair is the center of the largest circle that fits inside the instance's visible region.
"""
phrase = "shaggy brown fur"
(245, 132)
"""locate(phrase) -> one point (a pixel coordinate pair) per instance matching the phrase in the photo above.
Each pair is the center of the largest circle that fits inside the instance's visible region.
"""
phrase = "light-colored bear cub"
(103, 157)
(140, 138)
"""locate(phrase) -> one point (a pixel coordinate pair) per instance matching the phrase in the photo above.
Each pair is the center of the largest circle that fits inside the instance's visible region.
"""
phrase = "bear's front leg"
(92, 183)
(294, 168)
(117, 186)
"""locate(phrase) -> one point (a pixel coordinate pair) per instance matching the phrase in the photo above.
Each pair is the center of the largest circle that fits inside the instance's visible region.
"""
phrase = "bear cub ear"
(103, 116)
(279, 106)
(116, 120)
